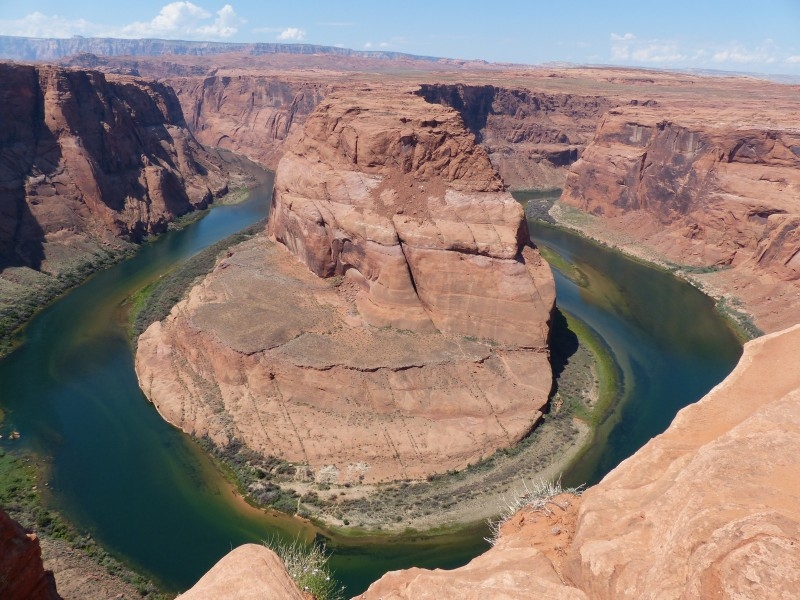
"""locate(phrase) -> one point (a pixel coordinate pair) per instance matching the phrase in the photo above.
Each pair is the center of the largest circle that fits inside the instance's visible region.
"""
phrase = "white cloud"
(368, 45)
(629, 49)
(184, 19)
(794, 59)
(292, 33)
(175, 20)
(38, 24)
(738, 54)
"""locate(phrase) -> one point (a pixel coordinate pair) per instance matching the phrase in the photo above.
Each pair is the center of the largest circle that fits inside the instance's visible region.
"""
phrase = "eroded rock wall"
(702, 192)
(531, 136)
(22, 575)
(250, 114)
(95, 155)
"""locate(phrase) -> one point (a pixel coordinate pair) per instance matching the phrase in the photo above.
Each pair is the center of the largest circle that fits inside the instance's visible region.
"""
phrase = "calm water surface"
(152, 498)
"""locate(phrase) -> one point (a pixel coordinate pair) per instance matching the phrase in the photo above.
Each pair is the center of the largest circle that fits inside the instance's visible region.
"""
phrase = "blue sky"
(734, 35)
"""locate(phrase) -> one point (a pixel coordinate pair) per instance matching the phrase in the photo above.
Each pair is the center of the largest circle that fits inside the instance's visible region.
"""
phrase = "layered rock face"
(22, 575)
(91, 155)
(531, 136)
(706, 510)
(410, 340)
(702, 190)
(249, 114)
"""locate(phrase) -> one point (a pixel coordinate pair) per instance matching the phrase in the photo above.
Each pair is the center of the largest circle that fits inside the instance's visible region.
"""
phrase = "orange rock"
(265, 576)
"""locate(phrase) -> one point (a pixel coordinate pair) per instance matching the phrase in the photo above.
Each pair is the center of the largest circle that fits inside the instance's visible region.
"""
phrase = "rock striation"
(22, 575)
(409, 338)
(88, 155)
(251, 114)
(703, 190)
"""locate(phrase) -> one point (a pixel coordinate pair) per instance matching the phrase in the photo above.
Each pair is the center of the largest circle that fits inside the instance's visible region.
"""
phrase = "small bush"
(536, 498)
(308, 568)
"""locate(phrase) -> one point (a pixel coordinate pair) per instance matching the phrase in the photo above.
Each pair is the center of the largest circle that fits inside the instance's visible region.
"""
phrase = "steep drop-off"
(531, 136)
(716, 192)
(410, 337)
(708, 509)
(250, 114)
(87, 154)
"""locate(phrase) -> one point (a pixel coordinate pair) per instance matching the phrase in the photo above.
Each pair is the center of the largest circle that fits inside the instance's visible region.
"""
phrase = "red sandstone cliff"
(703, 189)
(251, 114)
(22, 575)
(92, 155)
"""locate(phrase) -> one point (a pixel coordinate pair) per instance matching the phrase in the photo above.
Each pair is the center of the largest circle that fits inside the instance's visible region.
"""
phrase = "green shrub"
(308, 568)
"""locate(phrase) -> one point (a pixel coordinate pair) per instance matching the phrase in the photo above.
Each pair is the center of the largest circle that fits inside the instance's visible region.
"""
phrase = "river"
(148, 494)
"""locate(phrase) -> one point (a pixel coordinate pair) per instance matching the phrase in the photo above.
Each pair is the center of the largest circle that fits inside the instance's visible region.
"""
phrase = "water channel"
(151, 497)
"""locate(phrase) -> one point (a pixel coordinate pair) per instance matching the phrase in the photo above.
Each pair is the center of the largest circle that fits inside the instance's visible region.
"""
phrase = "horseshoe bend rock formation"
(88, 155)
(410, 336)
(704, 188)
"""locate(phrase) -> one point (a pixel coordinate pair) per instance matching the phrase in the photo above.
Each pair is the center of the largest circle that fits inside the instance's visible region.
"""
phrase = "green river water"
(148, 494)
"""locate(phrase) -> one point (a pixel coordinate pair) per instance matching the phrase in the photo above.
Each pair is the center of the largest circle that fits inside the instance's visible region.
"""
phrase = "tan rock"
(248, 572)
(709, 509)
(266, 352)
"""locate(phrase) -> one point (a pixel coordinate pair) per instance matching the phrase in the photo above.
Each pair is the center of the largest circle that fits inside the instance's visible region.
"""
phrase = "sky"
(759, 36)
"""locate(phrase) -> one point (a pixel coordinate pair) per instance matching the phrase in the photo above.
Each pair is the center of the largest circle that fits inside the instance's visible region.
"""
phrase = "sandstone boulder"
(265, 576)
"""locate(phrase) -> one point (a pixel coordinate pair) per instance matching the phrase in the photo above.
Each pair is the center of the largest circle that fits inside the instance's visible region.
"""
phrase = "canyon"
(390, 193)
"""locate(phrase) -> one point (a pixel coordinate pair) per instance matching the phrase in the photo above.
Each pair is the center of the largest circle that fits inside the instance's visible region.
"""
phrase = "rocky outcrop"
(90, 155)
(706, 510)
(410, 338)
(249, 114)
(259, 566)
(22, 576)
(531, 136)
(702, 190)
(404, 205)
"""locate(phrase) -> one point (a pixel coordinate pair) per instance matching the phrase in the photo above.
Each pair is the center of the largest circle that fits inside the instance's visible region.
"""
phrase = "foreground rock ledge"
(410, 337)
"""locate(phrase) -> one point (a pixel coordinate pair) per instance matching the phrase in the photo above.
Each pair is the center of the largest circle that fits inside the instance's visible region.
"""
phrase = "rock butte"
(708, 509)
(410, 337)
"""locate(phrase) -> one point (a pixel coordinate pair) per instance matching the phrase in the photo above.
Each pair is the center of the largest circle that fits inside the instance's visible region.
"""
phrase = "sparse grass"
(538, 497)
(308, 568)
(155, 301)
